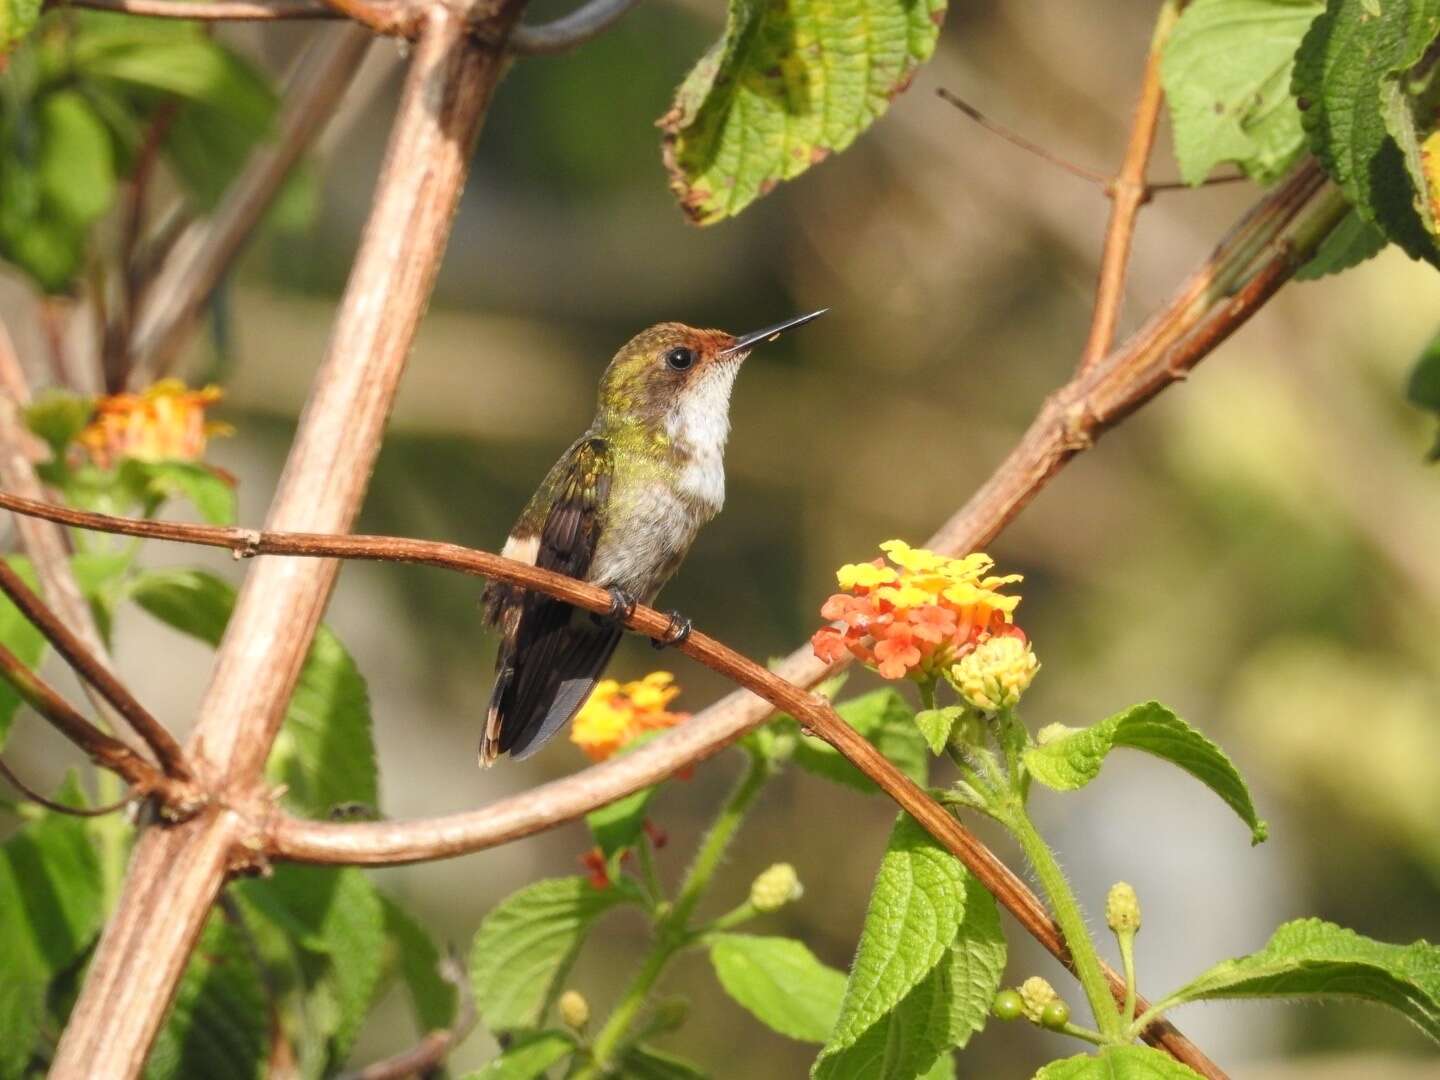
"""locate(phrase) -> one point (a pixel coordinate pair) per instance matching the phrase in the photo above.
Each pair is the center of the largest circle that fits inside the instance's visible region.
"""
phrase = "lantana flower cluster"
(914, 614)
(617, 713)
(164, 422)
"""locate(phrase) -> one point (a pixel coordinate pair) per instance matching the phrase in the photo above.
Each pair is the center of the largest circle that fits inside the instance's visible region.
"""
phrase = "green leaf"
(949, 1005)
(789, 84)
(937, 724)
(1345, 74)
(77, 160)
(1072, 760)
(219, 1026)
(527, 943)
(19, 635)
(1310, 958)
(17, 18)
(57, 417)
(1348, 244)
(50, 911)
(781, 982)
(1226, 72)
(325, 754)
(915, 911)
(528, 1057)
(432, 996)
(189, 65)
(647, 1063)
(205, 488)
(1423, 388)
(885, 720)
(1119, 1063)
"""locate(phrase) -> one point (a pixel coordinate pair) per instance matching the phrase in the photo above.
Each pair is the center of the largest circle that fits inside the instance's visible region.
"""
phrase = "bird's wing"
(551, 654)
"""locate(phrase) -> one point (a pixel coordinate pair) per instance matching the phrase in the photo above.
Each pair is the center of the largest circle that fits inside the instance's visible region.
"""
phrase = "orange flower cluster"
(165, 422)
(917, 613)
(615, 714)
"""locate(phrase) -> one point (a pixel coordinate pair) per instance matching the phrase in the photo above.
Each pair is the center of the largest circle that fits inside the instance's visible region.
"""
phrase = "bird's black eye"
(680, 358)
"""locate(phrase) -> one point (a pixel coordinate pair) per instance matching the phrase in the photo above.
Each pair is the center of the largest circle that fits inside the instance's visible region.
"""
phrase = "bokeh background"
(1258, 548)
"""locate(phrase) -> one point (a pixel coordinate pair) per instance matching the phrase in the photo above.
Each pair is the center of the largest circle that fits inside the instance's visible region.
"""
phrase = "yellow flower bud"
(996, 673)
(775, 888)
(574, 1009)
(1122, 909)
(1036, 993)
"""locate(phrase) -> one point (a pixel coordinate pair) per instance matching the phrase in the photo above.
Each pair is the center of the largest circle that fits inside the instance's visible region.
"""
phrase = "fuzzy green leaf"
(1226, 72)
(528, 1057)
(1310, 958)
(916, 909)
(788, 84)
(1345, 74)
(1072, 760)
(433, 998)
(885, 720)
(1119, 1063)
(936, 725)
(325, 754)
(18, 634)
(205, 488)
(527, 943)
(1348, 244)
(781, 982)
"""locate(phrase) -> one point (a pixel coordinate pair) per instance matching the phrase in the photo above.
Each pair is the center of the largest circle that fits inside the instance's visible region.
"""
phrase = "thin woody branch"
(167, 751)
(40, 799)
(210, 10)
(434, 1047)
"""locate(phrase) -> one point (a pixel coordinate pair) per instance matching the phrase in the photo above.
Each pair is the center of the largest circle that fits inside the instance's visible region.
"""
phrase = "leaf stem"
(1069, 916)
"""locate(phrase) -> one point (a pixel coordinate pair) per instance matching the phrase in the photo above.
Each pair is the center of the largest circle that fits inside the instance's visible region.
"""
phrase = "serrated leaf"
(1348, 244)
(219, 1026)
(936, 725)
(433, 998)
(1119, 1063)
(787, 85)
(19, 635)
(58, 416)
(648, 1063)
(915, 910)
(949, 1005)
(50, 911)
(528, 1057)
(887, 722)
(205, 488)
(527, 943)
(325, 753)
(1072, 760)
(1344, 73)
(780, 982)
(1226, 72)
(1310, 958)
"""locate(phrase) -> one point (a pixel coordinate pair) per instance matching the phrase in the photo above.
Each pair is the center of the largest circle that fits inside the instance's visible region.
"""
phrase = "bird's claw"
(675, 633)
(622, 605)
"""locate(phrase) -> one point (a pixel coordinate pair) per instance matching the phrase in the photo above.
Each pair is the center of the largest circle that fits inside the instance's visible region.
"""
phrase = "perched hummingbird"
(620, 509)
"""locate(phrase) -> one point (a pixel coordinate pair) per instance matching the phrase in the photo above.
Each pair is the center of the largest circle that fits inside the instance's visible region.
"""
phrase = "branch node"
(248, 546)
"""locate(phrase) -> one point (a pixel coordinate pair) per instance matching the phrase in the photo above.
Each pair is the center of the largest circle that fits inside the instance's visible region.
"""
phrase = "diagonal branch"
(40, 799)
(427, 1055)
(1128, 192)
(68, 645)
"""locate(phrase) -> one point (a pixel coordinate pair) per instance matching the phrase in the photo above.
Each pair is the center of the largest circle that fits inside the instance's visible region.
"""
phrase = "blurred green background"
(1258, 548)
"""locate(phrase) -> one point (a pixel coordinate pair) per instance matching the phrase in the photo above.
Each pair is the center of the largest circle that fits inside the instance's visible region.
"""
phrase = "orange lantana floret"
(616, 713)
(915, 614)
(165, 422)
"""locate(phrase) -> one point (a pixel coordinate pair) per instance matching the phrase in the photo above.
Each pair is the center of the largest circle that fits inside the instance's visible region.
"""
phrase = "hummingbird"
(620, 509)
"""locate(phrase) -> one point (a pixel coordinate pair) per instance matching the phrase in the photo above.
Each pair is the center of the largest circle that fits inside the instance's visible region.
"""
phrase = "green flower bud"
(1122, 909)
(574, 1009)
(1035, 994)
(1055, 1015)
(1007, 1005)
(775, 888)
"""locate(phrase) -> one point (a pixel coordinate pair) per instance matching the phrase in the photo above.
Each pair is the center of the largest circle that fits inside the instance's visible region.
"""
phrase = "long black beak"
(770, 333)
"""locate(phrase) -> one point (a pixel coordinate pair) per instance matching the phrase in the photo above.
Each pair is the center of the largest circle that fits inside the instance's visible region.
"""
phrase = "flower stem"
(717, 840)
(1127, 958)
(1071, 919)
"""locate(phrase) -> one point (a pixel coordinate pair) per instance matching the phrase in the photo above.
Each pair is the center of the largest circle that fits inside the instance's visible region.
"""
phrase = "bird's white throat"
(698, 426)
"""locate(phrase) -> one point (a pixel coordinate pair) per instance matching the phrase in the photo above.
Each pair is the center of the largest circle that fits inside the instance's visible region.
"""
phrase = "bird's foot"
(622, 605)
(675, 633)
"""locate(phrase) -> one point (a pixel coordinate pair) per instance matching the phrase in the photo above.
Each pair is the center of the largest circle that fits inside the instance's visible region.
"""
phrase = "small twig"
(68, 645)
(435, 1046)
(1128, 192)
(382, 16)
(569, 31)
(60, 808)
(1015, 138)
(209, 10)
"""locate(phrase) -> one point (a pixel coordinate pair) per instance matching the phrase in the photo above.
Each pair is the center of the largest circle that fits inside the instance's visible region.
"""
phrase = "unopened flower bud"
(775, 888)
(1122, 909)
(574, 1009)
(996, 673)
(1053, 733)
(1035, 994)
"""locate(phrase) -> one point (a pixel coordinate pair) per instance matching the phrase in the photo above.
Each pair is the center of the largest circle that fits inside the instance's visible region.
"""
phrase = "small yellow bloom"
(864, 576)
(775, 887)
(995, 675)
(1036, 993)
(917, 560)
(1122, 908)
(615, 714)
(165, 422)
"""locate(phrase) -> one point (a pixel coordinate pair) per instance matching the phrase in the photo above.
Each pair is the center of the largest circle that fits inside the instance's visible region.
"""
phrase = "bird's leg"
(622, 605)
(675, 633)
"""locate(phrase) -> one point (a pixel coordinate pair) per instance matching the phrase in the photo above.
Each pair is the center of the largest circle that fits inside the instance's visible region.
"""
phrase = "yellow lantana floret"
(995, 675)
(617, 713)
(165, 422)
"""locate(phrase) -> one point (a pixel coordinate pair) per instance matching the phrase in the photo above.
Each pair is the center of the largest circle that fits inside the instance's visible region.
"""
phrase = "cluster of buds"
(615, 714)
(918, 615)
(165, 422)
(775, 887)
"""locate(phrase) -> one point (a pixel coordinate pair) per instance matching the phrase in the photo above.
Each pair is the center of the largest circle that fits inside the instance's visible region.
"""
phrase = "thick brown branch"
(1128, 192)
(167, 751)
(211, 10)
